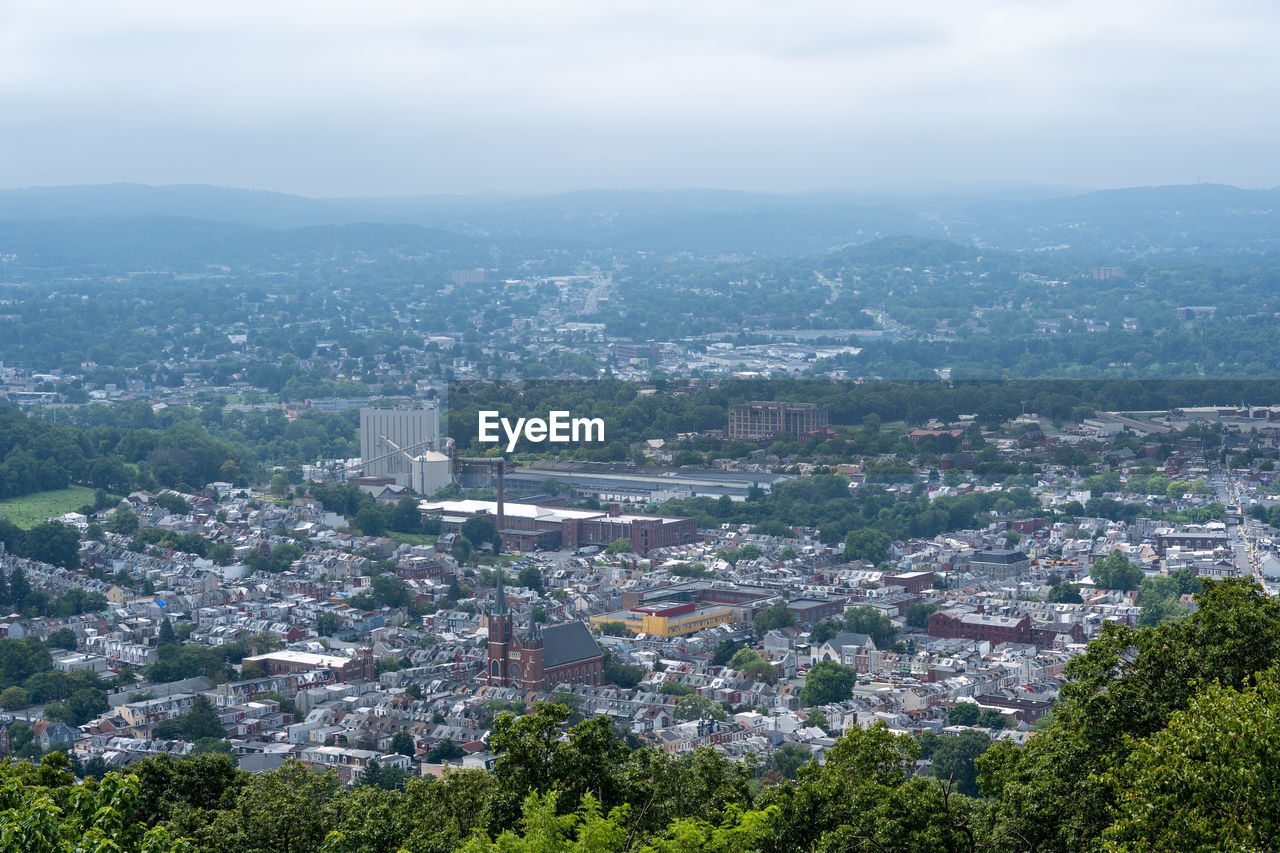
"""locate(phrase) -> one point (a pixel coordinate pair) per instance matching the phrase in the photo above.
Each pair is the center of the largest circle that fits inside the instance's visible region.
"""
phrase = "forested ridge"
(1164, 739)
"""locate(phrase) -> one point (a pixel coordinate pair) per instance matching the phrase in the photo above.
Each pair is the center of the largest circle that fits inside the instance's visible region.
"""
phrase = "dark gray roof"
(998, 555)
(567, 643)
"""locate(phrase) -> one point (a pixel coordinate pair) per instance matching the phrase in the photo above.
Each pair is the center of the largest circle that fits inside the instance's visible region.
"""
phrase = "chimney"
(502, 466)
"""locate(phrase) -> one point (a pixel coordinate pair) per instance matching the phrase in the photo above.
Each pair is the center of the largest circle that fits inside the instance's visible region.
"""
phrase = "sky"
(397, 98)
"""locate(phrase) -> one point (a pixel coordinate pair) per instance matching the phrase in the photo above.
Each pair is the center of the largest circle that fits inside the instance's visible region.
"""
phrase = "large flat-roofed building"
(763, 419)
(343, 669)
(1000, 563)
(629, 483)
(667, 618)
(383, 431)
(530, 526)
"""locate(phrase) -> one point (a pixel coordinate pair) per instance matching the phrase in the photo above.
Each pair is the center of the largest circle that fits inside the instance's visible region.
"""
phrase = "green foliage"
(13, 698)
(199, 723)
(1222, 745)
(873, 621)
(789, 758)
(1114, 571)
(724, 652)
(618, 546)
(445, 750)
(827, 682)
(695, 707)
(954, 760)
(531, 578)
(963, 714)
(917, 614)
(1065, 593)
(480, 531)
(62, 638)
(1158, 596)
(867, 544)
(774, 616)
(42, 810)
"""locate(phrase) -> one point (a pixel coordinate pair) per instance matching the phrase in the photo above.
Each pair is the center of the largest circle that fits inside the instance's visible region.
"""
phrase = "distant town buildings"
(761, 420)
(532, 527)
(391, 439)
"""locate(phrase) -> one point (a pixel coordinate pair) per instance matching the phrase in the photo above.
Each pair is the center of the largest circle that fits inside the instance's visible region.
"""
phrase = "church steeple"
(500, 597)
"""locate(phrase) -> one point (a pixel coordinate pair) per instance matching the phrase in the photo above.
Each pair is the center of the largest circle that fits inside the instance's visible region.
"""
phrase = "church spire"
(500, 598)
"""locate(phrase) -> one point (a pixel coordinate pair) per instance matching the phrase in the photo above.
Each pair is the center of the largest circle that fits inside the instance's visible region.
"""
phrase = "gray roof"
(567, 643)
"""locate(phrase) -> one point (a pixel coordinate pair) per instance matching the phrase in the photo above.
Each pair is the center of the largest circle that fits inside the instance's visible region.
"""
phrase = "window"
(495, 669)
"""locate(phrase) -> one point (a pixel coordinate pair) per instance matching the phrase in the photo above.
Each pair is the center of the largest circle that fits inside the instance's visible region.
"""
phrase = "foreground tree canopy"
(1155, 728)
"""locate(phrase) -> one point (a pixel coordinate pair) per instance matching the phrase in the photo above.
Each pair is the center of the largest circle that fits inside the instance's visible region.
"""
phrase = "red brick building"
(543, 657)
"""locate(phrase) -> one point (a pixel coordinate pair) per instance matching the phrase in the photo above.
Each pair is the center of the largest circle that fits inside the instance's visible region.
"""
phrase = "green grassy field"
(27, 512)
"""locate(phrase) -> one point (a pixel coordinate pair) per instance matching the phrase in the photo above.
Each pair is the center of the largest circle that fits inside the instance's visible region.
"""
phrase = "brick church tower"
(540, 659)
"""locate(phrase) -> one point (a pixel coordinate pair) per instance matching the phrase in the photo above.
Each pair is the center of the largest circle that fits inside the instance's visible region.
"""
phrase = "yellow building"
(667, 618)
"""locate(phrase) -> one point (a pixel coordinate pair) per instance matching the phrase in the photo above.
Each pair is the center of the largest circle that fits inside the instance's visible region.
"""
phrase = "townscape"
(290, 633)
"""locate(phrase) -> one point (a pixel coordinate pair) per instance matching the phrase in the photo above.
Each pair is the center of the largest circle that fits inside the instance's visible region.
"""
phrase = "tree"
(531, 578)
(122, 521)
(955, 759)
(166, 637)
(823, 631)
(279, 484)
(618, 546)
(18, 587)
(1114, 571)
(173, 502)
(13, 698)
(990, 718)
(480, 530)
(402, 742)
(63, 638)
(744, 658)
(1173, 783)
(40, 815)
(695, 707)
(963, 714)
(327, 623)
(874, 622)
(827, 682)
(391, 591)
(789, 758)
(371, 521)
(917, 614)
(819, 719)
(1158, 596)
(867, 544)
(445, 750)
(53, 542)
(774, 616)
(724, 652)
(1065, 593)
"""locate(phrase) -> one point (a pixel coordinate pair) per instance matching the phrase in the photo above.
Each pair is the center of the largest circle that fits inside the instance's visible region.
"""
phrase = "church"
(542, 658)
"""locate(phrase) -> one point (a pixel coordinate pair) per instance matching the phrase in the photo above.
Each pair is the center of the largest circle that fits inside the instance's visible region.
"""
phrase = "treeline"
(826, 502)
(123, 447)
(28, 676)
(685, 406)
(48, 542)
(1152, 727)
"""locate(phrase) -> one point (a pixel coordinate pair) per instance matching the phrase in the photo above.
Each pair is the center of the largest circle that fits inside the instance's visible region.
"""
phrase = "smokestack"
(502, 465)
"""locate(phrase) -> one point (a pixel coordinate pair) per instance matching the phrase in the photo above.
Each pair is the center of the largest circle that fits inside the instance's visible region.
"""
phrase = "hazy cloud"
(386, 97)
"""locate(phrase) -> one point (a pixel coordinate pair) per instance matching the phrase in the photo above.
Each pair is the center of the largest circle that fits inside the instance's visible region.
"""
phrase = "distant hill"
(1194, 221)
(169, 243)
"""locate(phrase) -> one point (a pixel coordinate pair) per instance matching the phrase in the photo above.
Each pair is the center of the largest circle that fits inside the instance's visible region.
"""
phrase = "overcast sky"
(381, 98)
